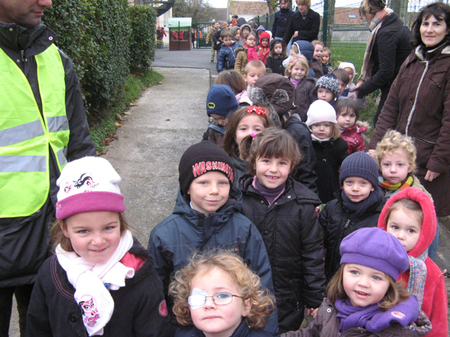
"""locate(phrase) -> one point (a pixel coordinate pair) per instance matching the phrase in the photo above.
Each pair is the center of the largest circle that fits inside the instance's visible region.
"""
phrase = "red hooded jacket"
(435, 294)
(264, 52)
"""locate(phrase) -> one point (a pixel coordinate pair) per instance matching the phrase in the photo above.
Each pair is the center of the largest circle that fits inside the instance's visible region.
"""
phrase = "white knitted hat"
(320, 111)
(350, 65)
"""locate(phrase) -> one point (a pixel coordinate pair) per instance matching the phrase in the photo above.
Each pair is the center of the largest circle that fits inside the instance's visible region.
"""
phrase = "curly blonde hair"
(249, 284)
(394, 141)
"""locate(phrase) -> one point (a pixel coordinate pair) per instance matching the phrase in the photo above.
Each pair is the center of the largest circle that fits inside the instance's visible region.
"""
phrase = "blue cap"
(221, 101)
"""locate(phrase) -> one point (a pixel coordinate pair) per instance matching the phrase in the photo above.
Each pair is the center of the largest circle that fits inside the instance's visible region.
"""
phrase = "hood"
(241, 21)
(306, 48)
(261, 27)
(264, 35)
(429, 217)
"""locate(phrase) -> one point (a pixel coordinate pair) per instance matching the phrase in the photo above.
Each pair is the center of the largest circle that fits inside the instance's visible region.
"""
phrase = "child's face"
(405, 227)
(265, 42)
(222, 121)
(322, 130)
(298, 71)
(346, 119)
(318, 51)
(272, 172)
(253, 74)
(213, 319)
(395, 166)
(350, 73)
(278, 49)
(209, 192)
(250, 41)
(245, 31)
(247, 125)
(325, 95)
(292, 52)
(227, 41)
(94, 235)
(341, 87)
(325, 57)
(237, 34)
(364, 285)
(357, 189)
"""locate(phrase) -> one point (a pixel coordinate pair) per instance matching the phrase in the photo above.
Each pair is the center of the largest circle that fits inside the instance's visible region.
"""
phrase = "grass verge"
(104, 131)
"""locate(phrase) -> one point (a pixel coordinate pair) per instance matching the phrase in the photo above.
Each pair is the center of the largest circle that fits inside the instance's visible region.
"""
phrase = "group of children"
(281, 218)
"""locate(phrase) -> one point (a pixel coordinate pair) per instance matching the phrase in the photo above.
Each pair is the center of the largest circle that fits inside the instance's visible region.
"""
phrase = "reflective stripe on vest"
(26, 137)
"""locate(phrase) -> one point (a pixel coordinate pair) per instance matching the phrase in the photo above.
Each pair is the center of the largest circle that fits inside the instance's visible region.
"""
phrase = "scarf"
(394, 187)
(294, 82)
(318, 139)
(359, 208)
(91, 283)
(375, 25)
(251, 54)
(372, 318)
(417, 275)
(269, 194)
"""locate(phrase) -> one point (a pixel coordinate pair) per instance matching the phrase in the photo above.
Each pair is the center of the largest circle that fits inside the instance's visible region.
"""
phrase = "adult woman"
(388, 46)
(303, 25)
(281, 20)
(419, 103)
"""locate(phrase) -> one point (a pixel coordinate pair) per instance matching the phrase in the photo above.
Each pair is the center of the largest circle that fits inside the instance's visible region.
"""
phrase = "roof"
(179, 22)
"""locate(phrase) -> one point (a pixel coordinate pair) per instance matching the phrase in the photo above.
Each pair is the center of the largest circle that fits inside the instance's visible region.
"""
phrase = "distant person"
(209, 37)
(264, 47)
(193, 37)
(281, 19)
(216, 37)
(234, 20)
(304, 24)
(226, 58)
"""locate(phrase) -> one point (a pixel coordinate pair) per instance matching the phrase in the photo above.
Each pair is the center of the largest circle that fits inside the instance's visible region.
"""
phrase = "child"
(216, 37)
(363, 298)
(252, 71)
(259, 31)
(329, 147)
(220, 104)
(327, 88)
(275, 93)
(409, 215)
(296, 71)
(222, 289)
(351, 128)
(351, 87)
(264, 48)
(245, 30)
(206, 217)
(237, 83)
(100, 281)
(326, 65)
(247, 53)
(293, 52)
(209, 37)
(245, 121)
(343, 79)
(307, 50)
(277, 55)
(226, 57)
(316, 63)
(281, 207)
(236, 34)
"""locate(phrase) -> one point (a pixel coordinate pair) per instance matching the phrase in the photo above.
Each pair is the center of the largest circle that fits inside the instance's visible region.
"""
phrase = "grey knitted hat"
(330, 82)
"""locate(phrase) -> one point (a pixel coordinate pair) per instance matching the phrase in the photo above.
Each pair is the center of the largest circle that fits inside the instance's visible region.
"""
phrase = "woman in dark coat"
(281, 19)
(304, 25)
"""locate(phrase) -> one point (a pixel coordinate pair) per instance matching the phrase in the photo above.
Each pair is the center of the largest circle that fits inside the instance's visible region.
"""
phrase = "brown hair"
(225, 32)
(315, 42)
(395, 294)
(371, 6)
(335, 132)
(342, 104)
(342, 75)
(393, 141)
(249, 284)
(407, 204)
(440, 11)
(233, 79)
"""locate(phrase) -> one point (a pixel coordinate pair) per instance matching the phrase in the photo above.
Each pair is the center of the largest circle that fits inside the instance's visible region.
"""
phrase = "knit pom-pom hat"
(223, 25)
(221, 101)
(360, 164)
(319, 112)
(330, 82)
(89, 184)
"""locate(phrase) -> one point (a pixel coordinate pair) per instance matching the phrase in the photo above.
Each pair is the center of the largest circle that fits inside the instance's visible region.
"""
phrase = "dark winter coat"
(226, 58)
(139, 307)
(304, 96)
(240, 169)
(307, 29)
(317, 66)
(29, 235)
(241, 331)
(390, 49)
(280, 22)
(294, 242)
(326, 324)
(420, 108)
(216, 40)
(337, 223)
(275, 64)
(186, 231)
(329, 157)
(304, 172)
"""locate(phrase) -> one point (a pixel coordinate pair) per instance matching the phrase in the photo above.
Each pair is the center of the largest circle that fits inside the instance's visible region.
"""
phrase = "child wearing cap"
(221, 103)
(363, 297)
(327, 88)
(357, 205)
(79, 290)
(329, 147)
(206, 217)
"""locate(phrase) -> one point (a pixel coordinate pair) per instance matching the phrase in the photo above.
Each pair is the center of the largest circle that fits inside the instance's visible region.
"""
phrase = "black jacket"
(29, 235)
(276, 64)
(294, 242)
(329, 157)
(307, 29)
(390, 50)
(281, 21)
(337, 223)
(216, 38)
(241, 331)
(139, 307)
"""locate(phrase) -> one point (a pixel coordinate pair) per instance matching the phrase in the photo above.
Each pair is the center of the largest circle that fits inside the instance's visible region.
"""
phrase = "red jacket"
(435, 294)
(353, 137)
(264, 52)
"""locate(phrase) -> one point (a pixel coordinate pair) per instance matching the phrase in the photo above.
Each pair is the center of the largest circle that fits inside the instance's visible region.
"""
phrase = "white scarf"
(91, 283)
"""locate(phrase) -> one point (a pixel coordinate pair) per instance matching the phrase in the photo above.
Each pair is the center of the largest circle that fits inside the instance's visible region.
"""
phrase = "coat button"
(266, 232)
(329, 310)
(73, 318)
(288, 196)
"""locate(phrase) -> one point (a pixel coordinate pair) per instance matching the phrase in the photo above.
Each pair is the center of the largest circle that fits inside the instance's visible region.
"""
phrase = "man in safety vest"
(42, 127)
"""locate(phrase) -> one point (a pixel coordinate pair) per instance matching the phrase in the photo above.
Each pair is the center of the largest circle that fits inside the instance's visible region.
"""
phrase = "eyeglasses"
(198, 300)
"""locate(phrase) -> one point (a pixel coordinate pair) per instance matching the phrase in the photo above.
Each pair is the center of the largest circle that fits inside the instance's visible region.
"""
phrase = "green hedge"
(96, 35)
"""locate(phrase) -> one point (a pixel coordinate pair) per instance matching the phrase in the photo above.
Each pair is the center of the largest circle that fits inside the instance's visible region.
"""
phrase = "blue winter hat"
(306, 48)
(360, 164)
(375, 248)
(221, 101)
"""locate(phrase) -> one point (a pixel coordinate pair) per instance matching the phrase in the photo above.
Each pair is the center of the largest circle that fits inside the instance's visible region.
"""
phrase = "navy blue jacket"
(281, 21)
(186, 231)
(241, 331)
(307, 29)
(226, 58)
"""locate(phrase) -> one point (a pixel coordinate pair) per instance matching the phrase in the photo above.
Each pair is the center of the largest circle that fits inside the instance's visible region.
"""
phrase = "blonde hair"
(406, 204)
(295, 47)
(335, 132)
(395, 294)
(299, 59)
(393, 141)
(248, 283)
(254, 64)
(327, 50)
(307, 3)
(315, 42)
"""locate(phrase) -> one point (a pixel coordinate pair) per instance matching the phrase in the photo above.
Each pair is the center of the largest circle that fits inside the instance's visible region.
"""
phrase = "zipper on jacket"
(347, 223)
(22, 56)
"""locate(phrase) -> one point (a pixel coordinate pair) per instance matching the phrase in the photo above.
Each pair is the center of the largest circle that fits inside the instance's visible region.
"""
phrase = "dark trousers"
(23, 295)
(384, 95)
